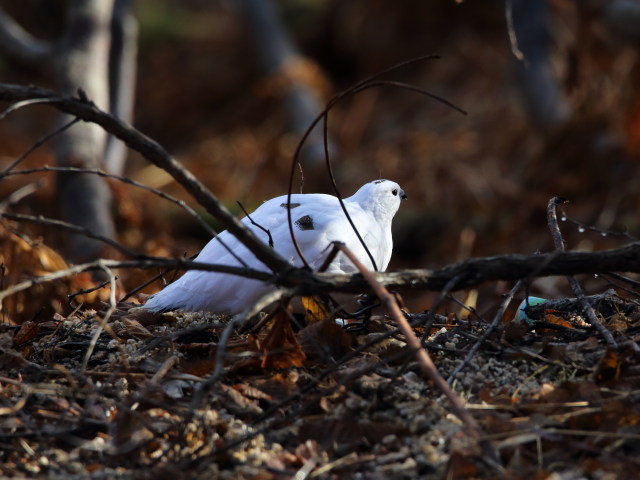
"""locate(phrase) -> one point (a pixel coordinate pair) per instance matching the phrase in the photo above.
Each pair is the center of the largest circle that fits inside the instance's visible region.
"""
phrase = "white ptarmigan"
(318, 221)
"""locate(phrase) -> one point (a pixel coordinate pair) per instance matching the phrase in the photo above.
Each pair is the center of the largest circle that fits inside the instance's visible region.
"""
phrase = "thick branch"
(153, 152)
(475, 271)
(470, 272)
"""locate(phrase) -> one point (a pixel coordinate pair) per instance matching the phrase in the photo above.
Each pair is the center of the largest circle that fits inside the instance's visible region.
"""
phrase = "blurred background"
(551, 89)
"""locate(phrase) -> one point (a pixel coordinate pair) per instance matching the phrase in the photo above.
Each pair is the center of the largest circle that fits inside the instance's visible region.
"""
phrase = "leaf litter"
(316, 399)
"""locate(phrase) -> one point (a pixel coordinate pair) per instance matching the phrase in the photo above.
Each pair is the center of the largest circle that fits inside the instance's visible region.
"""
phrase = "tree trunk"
(83, 62)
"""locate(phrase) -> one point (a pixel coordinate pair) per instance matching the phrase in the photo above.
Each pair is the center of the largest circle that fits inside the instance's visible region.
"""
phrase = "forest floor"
(146, 397)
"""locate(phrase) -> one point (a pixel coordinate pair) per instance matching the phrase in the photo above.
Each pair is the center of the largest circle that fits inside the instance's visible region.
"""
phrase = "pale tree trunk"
(122, 79)
(83, 62)
(97, 55)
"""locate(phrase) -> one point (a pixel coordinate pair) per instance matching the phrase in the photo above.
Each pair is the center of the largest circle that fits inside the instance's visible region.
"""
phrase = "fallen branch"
(471, 272)
(609, 298)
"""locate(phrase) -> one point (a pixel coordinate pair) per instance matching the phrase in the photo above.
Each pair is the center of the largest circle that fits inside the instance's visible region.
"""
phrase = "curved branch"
(70, 227)
(20, 44)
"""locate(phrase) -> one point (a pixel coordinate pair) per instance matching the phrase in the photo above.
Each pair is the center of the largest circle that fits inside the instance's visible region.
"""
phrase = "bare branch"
(475, 271)
(590, 313)
(265, 230)
(369, 82)
(496, 321)
(35, 145)
(422, 356)
(158, 156)
(103, 325)
(95, 171)
(70, 227)
(165, 196)
(20, 44)
(468, 273)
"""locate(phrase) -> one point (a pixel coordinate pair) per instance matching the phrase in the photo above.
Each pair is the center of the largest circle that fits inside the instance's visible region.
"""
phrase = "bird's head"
(381, 196)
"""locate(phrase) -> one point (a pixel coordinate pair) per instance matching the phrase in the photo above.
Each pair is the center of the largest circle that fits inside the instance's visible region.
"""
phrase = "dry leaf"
(316, 309)
(280, 348)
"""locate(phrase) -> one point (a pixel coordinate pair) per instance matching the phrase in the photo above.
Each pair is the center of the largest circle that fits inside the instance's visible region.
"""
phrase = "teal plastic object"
(521, 315)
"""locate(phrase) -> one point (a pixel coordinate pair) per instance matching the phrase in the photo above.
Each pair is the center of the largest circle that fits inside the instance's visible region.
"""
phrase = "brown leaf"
(280, 348)
(27, 333)
(556, 320)
(131, 328)
(324, 340)
(239, 403)
(618, 322)
(609, 367)
(316, 309)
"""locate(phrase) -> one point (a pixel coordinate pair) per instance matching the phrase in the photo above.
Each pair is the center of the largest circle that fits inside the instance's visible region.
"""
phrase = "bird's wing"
(320, 223)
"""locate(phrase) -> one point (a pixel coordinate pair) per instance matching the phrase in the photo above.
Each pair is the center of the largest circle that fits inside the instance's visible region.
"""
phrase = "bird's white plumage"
(318, 221)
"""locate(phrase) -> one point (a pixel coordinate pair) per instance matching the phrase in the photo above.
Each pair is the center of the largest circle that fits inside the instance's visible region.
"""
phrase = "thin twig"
(39, 142)
(431, 314)
(496, 321)
(603, 232)
(203, 389)
(630, 281)
(265, 230)
(150, 281)
(83, 291)
(70, 227)
(552, 220)
(221, 347)
(19, 194)
(360, 86)
(513, 39)
(103, 325)
(180, 203)
(153, 152)
(95, 171)
(21, 104)
(422, 356)
(141, 263)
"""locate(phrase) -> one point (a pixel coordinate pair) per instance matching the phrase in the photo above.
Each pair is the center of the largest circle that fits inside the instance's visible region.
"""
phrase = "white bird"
(318, 221)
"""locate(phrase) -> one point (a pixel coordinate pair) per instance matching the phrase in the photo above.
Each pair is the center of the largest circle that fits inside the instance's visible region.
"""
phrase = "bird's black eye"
(394, 191)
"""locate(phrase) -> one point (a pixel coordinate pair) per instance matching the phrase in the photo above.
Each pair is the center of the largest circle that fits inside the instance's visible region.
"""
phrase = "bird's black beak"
(403, 195)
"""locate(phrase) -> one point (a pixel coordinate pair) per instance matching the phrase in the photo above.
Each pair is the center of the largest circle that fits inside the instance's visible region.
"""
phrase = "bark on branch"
(475, 271)
(157, 155)
(469, 273)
